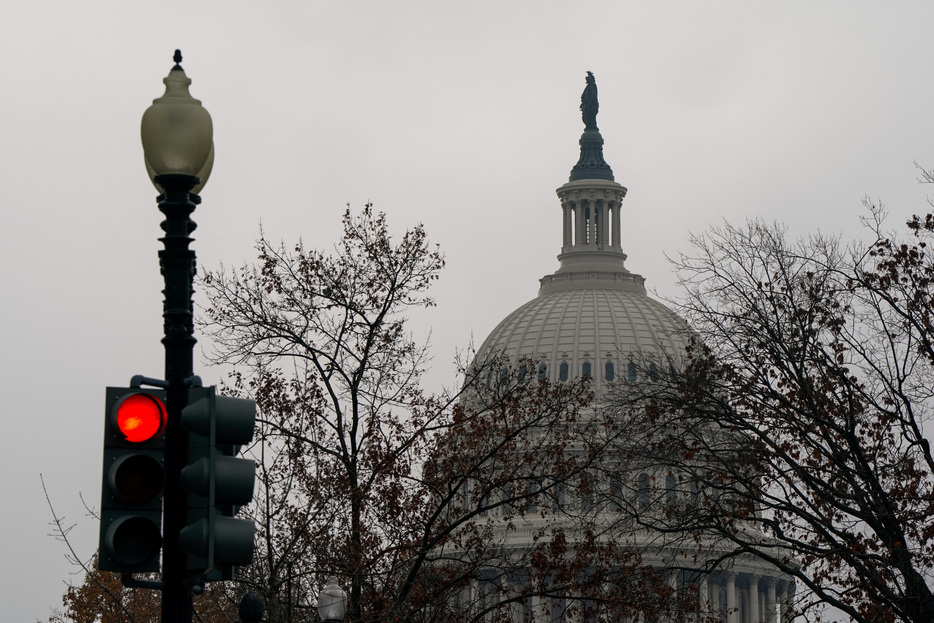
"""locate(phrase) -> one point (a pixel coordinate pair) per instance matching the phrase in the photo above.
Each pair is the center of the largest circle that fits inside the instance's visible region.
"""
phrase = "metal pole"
(177, 263)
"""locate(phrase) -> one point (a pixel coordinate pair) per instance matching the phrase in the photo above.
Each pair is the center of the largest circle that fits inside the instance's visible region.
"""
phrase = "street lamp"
(332, 602)
(178, 147)
(177, 132)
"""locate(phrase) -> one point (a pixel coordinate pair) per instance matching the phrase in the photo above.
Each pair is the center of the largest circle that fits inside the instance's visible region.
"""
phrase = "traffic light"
(217, 482)
(133, 480)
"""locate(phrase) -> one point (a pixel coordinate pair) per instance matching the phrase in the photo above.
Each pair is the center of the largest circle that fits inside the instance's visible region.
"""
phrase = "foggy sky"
(462, 116)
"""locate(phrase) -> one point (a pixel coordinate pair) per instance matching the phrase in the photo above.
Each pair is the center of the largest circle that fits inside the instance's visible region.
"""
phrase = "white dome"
(591, 317)
(589, 325)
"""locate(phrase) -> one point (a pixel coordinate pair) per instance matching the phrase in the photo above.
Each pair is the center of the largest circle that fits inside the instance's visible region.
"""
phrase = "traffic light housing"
(133, 480)
(217, 482)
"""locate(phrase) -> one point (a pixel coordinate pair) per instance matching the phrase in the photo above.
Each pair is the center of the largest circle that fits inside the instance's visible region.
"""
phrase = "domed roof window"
(643, 485)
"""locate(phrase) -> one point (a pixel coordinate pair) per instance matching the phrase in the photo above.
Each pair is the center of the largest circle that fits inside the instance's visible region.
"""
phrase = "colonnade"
(586, 222)
(730, 597)
(741, 597)
(591, 214)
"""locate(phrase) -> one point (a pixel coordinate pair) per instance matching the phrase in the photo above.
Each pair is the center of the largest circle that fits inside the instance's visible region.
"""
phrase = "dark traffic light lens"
(137, 478)
(133, 540)
(140, 417)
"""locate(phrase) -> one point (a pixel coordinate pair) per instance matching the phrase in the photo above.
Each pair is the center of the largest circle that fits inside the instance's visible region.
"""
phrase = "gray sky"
(460, 115)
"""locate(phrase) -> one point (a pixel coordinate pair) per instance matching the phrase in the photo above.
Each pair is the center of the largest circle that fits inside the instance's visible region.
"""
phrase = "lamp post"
(177, 136)
(332, 602)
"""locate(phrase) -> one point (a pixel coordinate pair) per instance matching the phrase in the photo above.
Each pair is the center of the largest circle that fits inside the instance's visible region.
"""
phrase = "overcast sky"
(460, 115)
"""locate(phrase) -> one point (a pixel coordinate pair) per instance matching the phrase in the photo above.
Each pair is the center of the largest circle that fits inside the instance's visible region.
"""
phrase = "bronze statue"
(589, 104)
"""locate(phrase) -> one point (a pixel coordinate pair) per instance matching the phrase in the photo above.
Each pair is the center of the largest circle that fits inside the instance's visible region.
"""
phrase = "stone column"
(599, 225)
(538, 609)
(754, 599)
(787, 610)
(604, 223)
(732, 613)
(516, 608)
(566, 211)
(579, 223)
(569, 615)
(703, 598)
(616, 225)
(673, 584)
(770, 601)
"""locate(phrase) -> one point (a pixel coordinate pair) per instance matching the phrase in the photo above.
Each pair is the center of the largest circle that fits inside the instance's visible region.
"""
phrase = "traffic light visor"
(140, 417)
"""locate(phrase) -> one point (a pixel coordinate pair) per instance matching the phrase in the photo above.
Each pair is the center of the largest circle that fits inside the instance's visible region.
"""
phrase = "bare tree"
(453, 508)
(797, 431)
(412, 501)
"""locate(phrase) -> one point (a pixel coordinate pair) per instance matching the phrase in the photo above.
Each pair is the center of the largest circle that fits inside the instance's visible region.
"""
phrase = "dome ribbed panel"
(594, 325)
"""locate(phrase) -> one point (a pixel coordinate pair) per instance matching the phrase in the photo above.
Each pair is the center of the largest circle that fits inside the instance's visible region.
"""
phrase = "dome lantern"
(591, 203)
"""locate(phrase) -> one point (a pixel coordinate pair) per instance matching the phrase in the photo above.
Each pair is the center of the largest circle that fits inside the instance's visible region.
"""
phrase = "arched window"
(585, 370)
(505, 498)
(559, 495)
(533, 498)
(608, 371)
(563, 371)
(616, 491)
(670, 493)
(643, 484)
(588, 225)
(461, 496)
(631, 372)
(653, 372)
(522, 372)
(543, 372)
(586, 489)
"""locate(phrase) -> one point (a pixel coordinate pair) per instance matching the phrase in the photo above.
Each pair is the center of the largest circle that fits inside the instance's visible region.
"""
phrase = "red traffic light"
(140, 417)
(133, 480)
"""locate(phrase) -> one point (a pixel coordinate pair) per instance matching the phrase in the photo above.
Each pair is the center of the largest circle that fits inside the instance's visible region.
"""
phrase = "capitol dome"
(592, 317)
(589, 330)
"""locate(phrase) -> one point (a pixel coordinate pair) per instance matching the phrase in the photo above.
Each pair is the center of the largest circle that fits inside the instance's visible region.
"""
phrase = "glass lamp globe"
(332, 602)
(177, 132)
